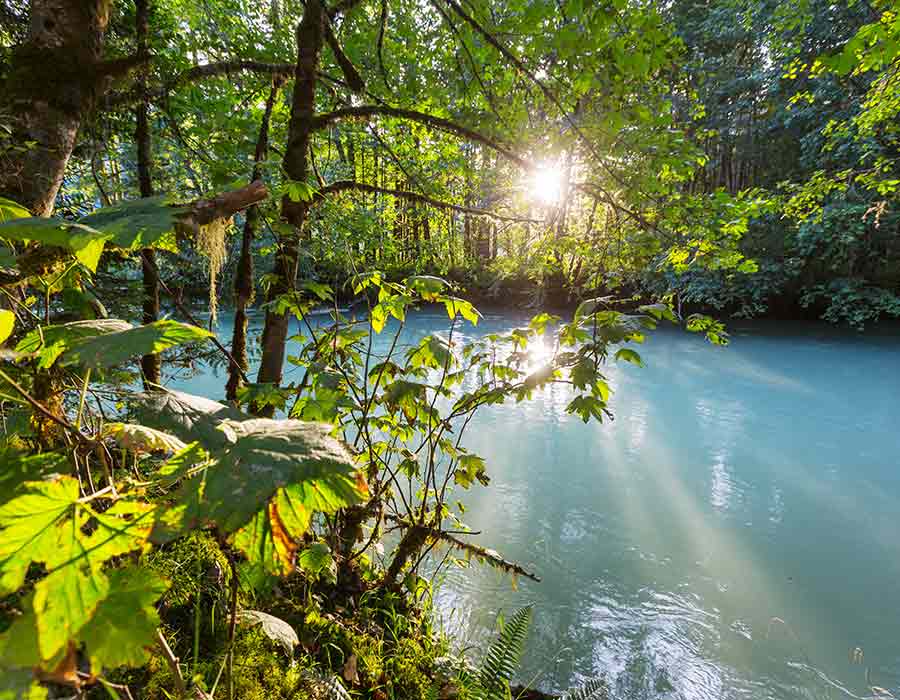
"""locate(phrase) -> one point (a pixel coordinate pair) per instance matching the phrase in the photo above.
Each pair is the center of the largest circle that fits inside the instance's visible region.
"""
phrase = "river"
(733, 533)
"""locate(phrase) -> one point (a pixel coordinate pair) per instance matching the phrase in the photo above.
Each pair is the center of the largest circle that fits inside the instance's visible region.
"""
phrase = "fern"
(503, 658)
(592, 690)
(328, 684)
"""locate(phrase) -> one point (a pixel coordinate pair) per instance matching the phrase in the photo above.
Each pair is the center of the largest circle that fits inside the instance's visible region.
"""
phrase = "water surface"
(733, 533)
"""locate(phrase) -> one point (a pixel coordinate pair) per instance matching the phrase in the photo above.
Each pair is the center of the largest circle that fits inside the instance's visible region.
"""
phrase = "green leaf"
(29, 532)
(267, 455)
(271, 538)
(298, 191)
(84, 242)
(589, 306)
(316, 559)
(186, 416)
(65, 601)
(469, 468)
(141, 223)
(19, 468)
(124, 625)
(11, 210)
(19, 684)
(117, 347)
(7, 321)
(181, 463)
(51, 341)
(456, 306)
(140, 438)
(629, 355)
(405, 395)
(46, 524)
(428, 287)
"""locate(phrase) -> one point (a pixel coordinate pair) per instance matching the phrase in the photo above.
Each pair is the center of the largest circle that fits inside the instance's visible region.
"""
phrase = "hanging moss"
(210, 242)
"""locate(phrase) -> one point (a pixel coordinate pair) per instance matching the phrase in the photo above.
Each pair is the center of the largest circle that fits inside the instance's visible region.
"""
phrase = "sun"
(545, 184)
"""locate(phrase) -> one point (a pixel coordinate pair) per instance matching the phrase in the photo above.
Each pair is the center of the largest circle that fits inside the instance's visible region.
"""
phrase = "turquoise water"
(734, 533)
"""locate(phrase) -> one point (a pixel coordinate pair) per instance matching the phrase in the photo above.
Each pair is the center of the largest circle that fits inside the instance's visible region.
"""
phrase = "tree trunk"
(52, 83)
(310, 33)
(151, 365)
(243, 279)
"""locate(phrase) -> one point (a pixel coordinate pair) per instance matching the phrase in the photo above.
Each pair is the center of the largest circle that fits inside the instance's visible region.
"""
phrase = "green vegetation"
(628, 162)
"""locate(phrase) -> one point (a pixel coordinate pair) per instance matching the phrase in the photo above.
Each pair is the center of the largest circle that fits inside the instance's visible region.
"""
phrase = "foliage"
(629, 163)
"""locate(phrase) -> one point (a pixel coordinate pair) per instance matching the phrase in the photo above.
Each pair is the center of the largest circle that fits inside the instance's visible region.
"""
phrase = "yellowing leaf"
(140, 438)
(7, 321)
(271, 454)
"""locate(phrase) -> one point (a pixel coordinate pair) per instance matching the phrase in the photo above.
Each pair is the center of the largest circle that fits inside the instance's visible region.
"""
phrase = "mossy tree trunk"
(151, 365)
(310, 39)
(243, 280)
(53, 81)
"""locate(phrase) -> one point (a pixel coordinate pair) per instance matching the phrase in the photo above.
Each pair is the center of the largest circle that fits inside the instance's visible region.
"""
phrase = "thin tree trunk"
(243, 280)
(151, 365)
(310, 36)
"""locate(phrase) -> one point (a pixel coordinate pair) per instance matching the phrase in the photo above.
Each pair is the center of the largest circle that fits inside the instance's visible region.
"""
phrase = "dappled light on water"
(669, 539)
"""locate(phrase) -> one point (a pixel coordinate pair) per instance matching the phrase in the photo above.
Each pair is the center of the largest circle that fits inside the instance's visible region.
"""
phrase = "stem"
(172, 661)
(196, 659)
(87, 379)
(43, 410)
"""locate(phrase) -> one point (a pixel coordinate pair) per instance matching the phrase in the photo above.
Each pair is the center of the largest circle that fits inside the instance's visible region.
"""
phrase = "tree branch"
(379, 43)
(345, 185)
(191, 75)
(439, 123)
(351, 75)
(225, 205)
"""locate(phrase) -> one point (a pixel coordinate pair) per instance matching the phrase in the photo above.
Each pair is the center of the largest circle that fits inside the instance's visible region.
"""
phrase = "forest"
(273, 193)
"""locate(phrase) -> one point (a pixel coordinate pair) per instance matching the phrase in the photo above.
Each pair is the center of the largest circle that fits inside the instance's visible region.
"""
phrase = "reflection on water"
(734, 533)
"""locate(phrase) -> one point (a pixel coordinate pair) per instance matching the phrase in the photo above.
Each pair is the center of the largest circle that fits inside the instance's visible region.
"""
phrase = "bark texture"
(310, 38)
(243, 280)
(151, 365)
(54, 79)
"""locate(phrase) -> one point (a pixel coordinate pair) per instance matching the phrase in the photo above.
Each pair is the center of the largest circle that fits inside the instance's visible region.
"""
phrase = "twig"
(172, 661)
(46, 412)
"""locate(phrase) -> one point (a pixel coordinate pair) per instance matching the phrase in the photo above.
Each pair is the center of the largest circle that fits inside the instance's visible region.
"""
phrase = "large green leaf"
(140, 223)
(115, 348)
(29, 528)
(51, 341)
(83, 241)
(19, 468)
(188, 417)
(11, 210)
(19, 684)
(47, 524)
(66, 599)
(267, 455)
(125, 622)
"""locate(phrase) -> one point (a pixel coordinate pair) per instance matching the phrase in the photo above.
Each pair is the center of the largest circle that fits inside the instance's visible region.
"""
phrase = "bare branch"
(351, 75)
(379, 44)
(191, 75)
(439, 123)
(345, 185)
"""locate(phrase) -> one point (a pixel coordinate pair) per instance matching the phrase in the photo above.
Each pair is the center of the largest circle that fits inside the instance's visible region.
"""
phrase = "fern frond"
(503, 657)
(594, 689)
(329, 685)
